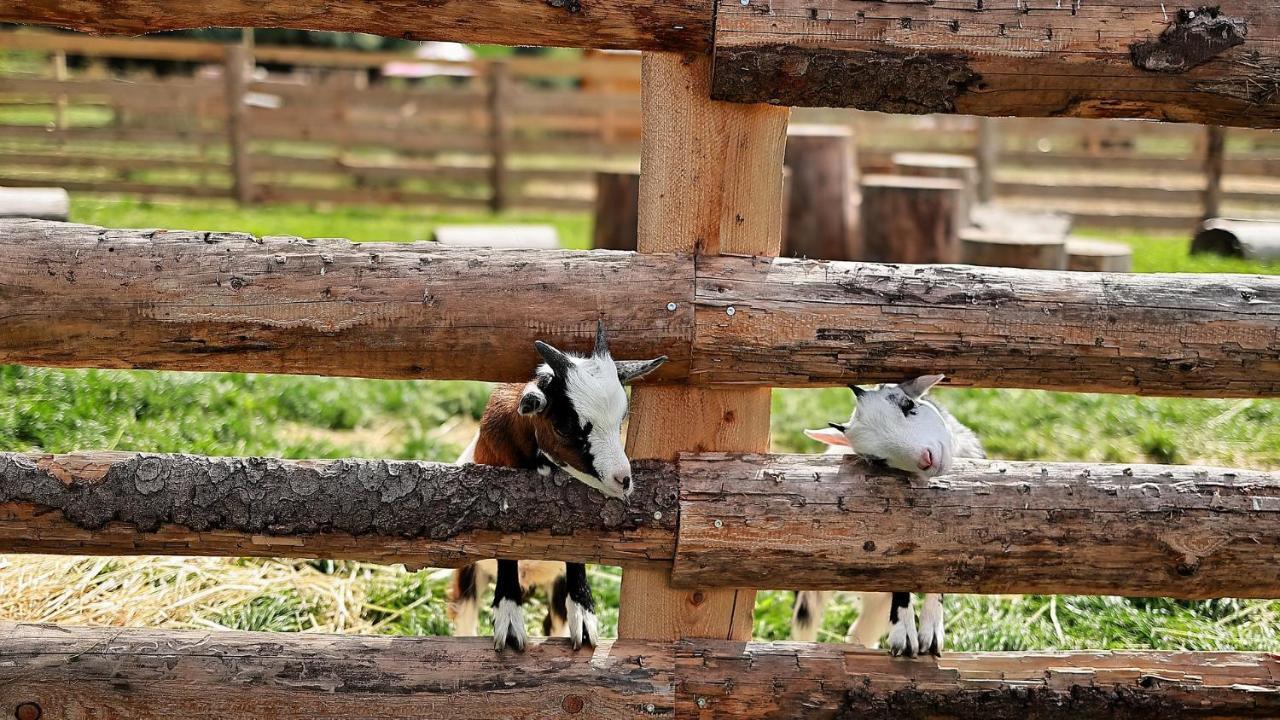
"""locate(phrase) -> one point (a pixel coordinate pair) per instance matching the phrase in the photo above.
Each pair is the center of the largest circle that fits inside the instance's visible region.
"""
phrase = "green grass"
(62, 410)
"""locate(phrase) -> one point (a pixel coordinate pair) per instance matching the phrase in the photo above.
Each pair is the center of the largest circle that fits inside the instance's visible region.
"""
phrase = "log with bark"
(53, 672)
(911, 219)
(822, 206)
(806, 323)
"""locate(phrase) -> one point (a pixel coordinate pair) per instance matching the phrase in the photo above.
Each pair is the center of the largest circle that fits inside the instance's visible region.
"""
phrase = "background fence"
(522, 132)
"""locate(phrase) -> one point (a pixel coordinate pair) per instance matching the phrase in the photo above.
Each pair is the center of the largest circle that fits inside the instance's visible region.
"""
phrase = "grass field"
(59, 410)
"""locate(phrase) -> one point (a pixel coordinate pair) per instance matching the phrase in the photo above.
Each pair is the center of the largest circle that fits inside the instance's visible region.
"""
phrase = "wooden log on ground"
(910, 219)
(82, 296)
(506, 237)
(43, 203)
(617, 214)
(791, 322)
(1190, 64)
(56, 672)
(1017, 221)
(1250, 239)
(1088, 255)
(684, 25)
(822, 208)
(418, 513)
(998, 249)
(957, 167)
(829, 522)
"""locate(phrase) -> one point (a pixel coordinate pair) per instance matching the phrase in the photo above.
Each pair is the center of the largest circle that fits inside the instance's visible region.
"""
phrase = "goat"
(567, 418)
(895, 425)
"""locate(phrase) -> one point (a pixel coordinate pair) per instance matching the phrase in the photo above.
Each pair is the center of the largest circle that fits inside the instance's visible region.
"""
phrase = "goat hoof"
(584, 627)
(508, 626)
(903, 639)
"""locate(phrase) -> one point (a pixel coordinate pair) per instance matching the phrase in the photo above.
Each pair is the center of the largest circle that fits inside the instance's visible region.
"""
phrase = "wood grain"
(680, 25)
(911, 219)
(422, 514)
(828, 522)
(808, 323)
(1033, 58)
(78, 295)
(55, 672)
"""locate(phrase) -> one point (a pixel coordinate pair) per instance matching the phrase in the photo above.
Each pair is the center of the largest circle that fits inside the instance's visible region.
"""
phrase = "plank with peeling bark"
(807, 323)
(1034, 58)
(54, 672)
(77, 295)
(831, 522)
(418, 513)
(679, 25)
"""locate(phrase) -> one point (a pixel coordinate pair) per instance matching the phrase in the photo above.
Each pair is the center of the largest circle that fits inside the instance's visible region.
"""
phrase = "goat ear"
(602, 341)
(828, 436)
(857, 391)
(917, 387)
(532, 401)
(558, 361)
(631, 370)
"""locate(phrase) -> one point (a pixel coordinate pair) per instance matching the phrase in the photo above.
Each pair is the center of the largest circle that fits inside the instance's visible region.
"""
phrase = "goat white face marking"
(897, 425)
(601, 403)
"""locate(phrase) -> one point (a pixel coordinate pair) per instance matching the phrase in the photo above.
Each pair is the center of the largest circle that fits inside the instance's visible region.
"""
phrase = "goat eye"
(908, 408)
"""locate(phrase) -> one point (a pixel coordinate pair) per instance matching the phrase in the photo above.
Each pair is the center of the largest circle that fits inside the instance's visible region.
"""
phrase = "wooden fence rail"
(804, 521)
(82, 296)
(157, 675)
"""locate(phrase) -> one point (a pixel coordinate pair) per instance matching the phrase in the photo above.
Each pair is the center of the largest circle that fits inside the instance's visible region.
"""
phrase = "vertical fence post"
(236, 70)
(711, 181)
(499, 87)
(1215, 150)
(988, 158)
(60, 108)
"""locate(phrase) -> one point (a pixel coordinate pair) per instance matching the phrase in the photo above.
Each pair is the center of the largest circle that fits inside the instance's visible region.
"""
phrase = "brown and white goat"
(568, 418)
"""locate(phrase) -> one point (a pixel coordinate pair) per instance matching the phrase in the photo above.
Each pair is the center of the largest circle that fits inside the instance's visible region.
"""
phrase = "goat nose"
(926, 459)
(626, 483)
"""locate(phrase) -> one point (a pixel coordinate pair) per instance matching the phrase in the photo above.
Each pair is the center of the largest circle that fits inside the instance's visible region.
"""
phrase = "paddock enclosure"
(715, 515)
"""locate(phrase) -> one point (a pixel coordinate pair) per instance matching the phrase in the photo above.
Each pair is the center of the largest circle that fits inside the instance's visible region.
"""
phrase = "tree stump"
(38, 203)
(1098, 256)
(822, 211)
(617, 211)
(910, 219)
(956, 167)
(997, 249)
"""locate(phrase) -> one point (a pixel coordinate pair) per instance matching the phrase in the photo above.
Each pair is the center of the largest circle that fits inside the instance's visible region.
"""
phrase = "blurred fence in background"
(312, 125)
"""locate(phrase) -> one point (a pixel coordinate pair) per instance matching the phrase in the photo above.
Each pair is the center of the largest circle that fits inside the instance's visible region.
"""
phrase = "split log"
(417, 513)
(36, 202)
(830, 522)
(617, 211)
(957, 167)
(83, 296)
(509, 237)
(996, 249)
(683, 25)
(822, 207)
(805, 323)
(1196, 64)
(1088, 255)
(1250, 239)
(910, 219)
(56, 672)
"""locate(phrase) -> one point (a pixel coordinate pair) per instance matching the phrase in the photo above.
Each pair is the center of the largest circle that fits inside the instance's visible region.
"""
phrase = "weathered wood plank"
(422, 514)
(830, 522)
(807, 323)
(55, 672)
(1112, 58)
(81, 296)
(678, 25)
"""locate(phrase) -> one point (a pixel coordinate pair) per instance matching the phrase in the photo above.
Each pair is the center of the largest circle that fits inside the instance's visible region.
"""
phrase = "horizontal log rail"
(805, 521)
(1107, 59)
(55, 672)
(83, 296)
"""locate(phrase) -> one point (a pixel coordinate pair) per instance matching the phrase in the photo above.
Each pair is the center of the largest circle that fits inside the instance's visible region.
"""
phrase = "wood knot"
(869, 546)
(573, 704)
(697, 598)
(28, 711)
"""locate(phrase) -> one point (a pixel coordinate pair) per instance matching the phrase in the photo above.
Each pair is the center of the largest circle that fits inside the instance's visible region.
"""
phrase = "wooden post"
(910, 219)
(236, 68)
(499, 80)
(60, 109)
(943, 165)
(617, 210)
(822, 210)
(711, 182)
(1214, 159)
(988, 158)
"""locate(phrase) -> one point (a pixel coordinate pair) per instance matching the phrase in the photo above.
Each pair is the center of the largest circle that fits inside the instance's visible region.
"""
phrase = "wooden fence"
(525, 133)
(707, 290)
